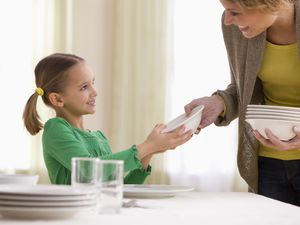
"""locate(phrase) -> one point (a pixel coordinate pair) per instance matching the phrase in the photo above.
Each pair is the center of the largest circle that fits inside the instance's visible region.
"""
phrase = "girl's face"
(250, 22)
(79, 96)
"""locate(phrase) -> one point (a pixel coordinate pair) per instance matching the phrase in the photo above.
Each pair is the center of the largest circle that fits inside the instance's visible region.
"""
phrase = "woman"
(261, 38)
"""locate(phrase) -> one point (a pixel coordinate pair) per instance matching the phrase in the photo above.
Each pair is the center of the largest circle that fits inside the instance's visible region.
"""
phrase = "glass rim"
(107, 161)
(85, 158)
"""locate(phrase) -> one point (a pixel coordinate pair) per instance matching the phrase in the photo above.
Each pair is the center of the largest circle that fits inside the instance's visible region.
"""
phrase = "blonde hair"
(264, 5)
(50, 76)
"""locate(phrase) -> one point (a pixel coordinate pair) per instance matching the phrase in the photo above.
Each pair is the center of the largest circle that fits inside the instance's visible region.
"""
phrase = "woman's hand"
(274, 142)
(213, 107)
(157, 141)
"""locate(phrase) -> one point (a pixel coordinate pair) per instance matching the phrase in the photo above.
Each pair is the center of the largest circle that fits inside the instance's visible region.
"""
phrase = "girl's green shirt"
(62, 142)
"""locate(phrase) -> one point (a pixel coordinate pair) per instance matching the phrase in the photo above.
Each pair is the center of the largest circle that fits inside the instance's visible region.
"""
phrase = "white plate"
(47, 203)
(44, 190)
(46, 197)
(191, 122)
(21, 179)
(40, 212)
(153, 191)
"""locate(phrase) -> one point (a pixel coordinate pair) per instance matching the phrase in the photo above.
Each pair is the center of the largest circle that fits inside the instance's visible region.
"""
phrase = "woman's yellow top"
(280, 76)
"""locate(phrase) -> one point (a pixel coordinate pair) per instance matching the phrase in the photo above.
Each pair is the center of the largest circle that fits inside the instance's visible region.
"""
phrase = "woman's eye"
(234, 13)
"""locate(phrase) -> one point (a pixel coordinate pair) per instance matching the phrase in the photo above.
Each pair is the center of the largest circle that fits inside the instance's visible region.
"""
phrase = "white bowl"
(191, 122)
(273, 107)
(283, 129)
(274, 117)
(285, 112)
(22, 179)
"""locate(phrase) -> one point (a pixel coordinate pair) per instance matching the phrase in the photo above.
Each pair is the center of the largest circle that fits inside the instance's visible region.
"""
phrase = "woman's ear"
(55, 99)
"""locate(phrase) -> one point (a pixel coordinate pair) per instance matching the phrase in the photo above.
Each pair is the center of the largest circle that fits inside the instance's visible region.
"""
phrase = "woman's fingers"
(198, 130)
(189, 107)
(276, 143)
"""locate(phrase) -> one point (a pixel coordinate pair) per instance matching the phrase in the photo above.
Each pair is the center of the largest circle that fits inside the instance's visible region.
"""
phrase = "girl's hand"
(274, 142)
(157, 141)
(213, 107)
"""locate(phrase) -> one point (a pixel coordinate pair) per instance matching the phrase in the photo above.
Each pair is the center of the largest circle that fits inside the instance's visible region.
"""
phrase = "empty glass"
(84, 172)
(110, 182)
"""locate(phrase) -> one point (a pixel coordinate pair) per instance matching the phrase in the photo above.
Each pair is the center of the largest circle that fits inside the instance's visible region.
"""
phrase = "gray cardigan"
(245, 57)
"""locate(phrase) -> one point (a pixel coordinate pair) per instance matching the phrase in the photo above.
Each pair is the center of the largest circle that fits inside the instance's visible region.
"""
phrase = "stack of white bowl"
(279, 119)
(44, 201)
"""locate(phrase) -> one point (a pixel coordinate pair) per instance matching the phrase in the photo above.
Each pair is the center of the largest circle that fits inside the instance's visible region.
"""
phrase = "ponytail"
(31, 117)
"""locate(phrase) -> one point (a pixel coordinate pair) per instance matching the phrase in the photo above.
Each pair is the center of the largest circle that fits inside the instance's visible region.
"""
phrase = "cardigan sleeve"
(230, 94)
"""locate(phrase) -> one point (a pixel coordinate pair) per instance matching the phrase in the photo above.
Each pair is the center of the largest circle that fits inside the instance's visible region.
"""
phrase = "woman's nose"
(228, 20)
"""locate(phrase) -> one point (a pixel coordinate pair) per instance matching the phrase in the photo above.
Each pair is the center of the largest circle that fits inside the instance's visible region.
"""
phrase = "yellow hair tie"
(39, 91)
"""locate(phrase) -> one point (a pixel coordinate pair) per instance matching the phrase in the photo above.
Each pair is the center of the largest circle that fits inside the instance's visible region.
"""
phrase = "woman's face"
(250, 22)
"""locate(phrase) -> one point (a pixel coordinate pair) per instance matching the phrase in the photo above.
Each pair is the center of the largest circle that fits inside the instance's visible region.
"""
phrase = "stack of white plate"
(279, 119)
(23, 179)
(44, 201)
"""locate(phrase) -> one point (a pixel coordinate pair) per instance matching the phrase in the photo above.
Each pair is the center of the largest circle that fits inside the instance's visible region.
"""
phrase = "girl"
(66, 83)
(262, 43)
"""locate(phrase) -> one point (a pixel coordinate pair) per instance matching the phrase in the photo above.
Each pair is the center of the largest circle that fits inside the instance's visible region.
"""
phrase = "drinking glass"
(110, 183)
(84, 172)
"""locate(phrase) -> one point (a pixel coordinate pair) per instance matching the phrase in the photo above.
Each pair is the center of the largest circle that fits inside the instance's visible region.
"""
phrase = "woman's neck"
(283, 31)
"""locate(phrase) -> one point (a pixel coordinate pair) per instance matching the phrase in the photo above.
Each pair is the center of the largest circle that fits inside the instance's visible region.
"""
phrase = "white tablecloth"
(201, 208)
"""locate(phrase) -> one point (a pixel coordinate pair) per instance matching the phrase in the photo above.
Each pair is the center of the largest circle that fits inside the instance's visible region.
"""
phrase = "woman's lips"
(243, 28)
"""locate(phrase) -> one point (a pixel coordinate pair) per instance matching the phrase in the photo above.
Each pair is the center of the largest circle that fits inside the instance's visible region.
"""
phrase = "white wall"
(208, 161)
(92, 40)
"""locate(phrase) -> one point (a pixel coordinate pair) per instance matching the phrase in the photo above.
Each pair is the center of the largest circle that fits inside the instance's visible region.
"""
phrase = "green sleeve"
(137, 174)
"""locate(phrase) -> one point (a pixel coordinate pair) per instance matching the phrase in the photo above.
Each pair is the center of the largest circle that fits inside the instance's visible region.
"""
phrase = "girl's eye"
(84, 87)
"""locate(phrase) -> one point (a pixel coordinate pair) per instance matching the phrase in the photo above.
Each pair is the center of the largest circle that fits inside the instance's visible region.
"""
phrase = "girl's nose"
(228, 20)
(94, 93)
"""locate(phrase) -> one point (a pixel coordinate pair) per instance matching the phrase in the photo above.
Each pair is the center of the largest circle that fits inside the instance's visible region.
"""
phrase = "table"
(201, 208)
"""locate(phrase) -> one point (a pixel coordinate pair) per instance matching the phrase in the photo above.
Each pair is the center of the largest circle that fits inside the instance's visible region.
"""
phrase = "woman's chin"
(250, 35)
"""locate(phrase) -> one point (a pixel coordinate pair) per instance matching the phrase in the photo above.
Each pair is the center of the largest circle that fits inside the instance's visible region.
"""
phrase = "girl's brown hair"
(50, 75)
(264, 5)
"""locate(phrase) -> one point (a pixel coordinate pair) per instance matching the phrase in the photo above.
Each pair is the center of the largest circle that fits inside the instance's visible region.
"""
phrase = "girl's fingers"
(178, 131)
(184, 138)
(160, 127)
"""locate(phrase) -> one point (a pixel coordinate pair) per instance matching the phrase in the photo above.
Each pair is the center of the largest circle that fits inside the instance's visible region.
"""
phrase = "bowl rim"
(198, 110)
(286, 120)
